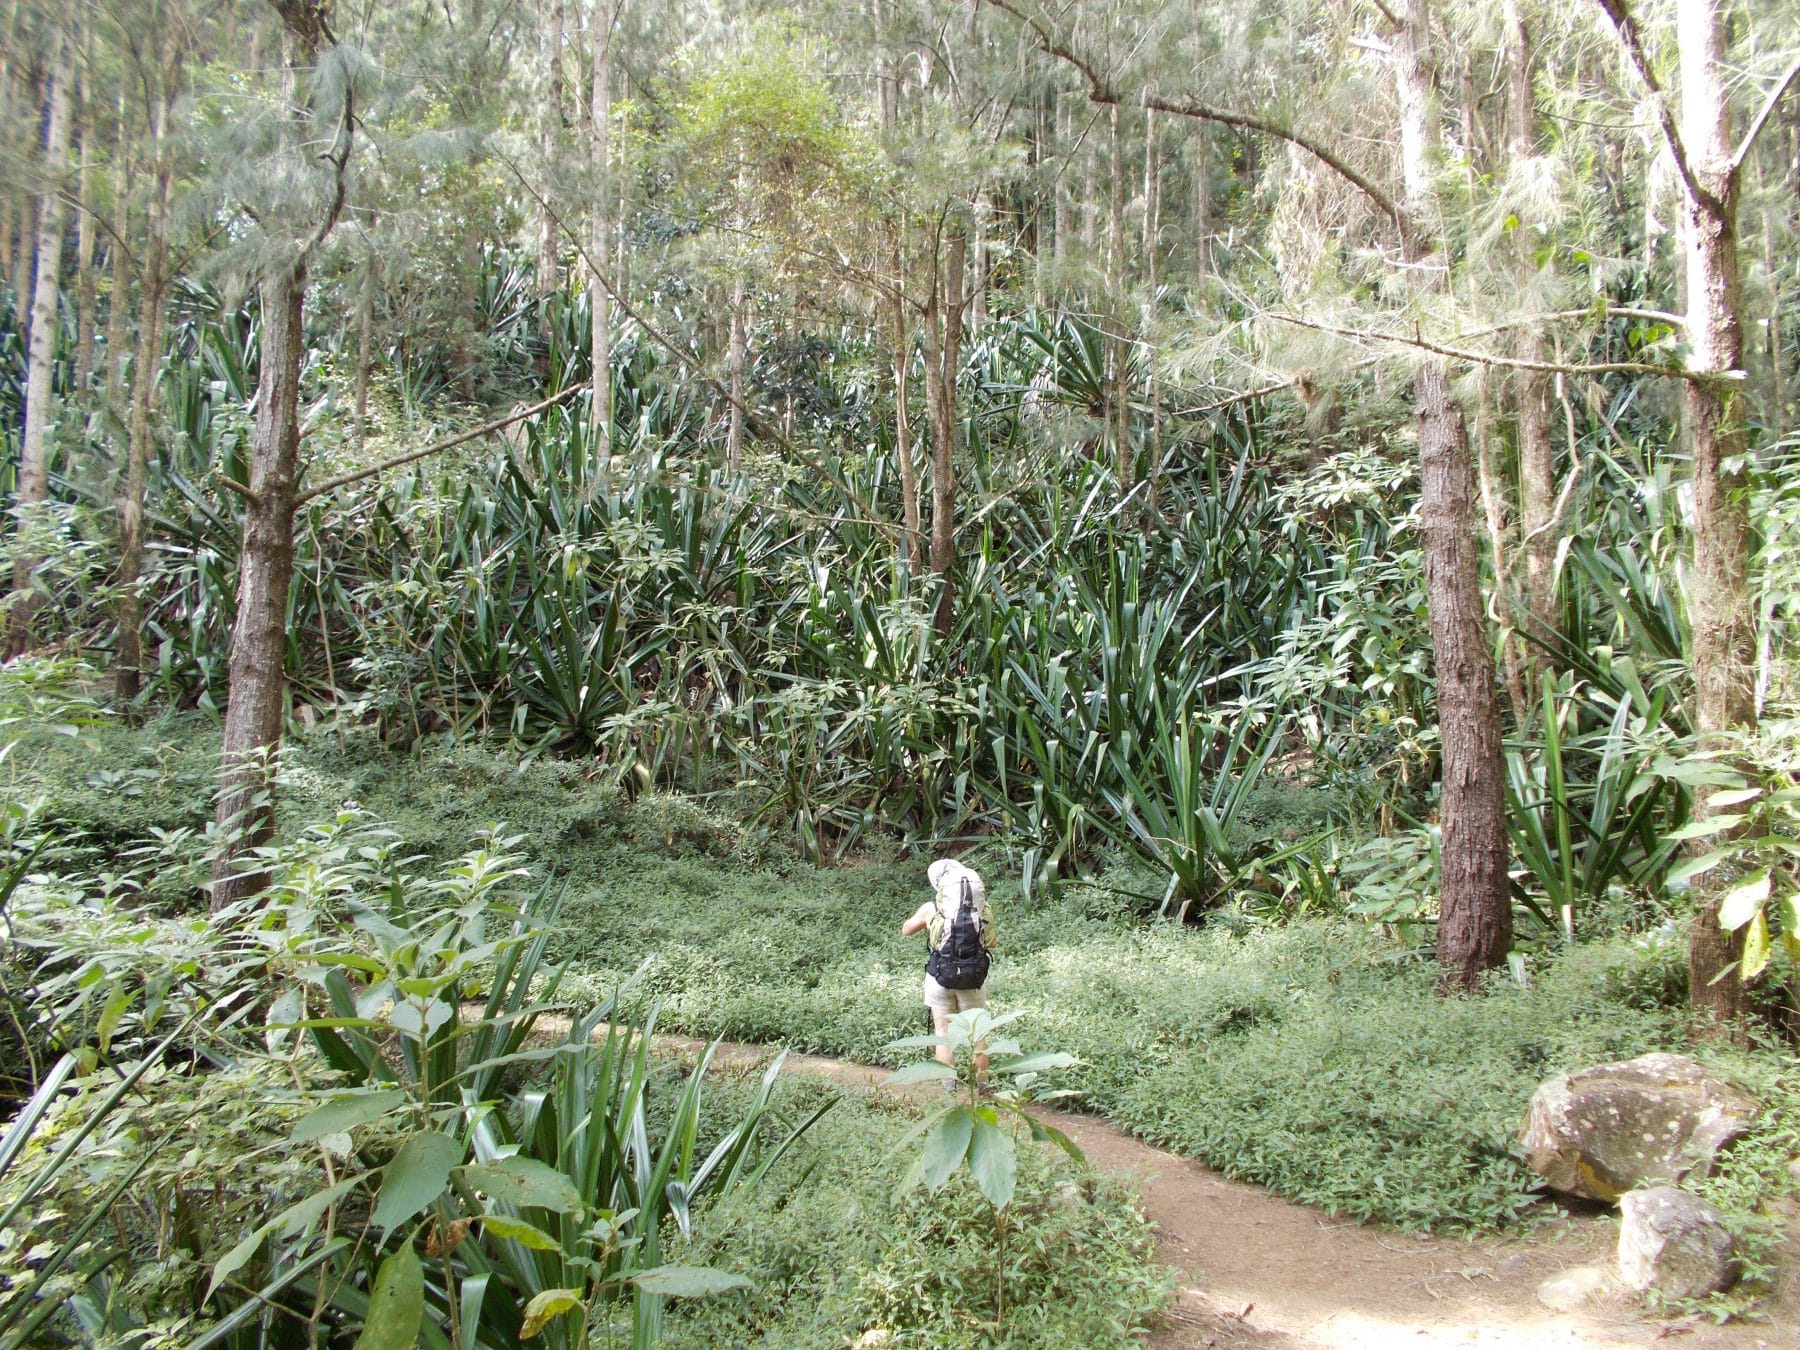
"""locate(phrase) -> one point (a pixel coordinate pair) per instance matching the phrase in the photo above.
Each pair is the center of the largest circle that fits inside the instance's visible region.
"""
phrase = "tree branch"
(1422, 343)
(1100, 90)
(1633, 42)
(1761, 120)
(435, 448)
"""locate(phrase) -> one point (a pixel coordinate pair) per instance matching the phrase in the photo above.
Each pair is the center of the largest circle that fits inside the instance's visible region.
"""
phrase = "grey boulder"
(1674, 1243)
(1650, 1121)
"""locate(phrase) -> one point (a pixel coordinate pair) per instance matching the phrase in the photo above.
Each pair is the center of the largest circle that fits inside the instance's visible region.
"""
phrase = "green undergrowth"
(1313, 1058)
(832, 1255)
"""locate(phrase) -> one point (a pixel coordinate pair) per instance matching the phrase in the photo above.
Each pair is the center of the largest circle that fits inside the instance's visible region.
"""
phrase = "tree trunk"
(1537, 455)
(551, 128)
(34, 467)
(1474, 900)
(903, 448)
(737, 347)
(365, 354)
(1719, 602)
(943, 349)
(128, 659)
(258, 675)
(117, 303)
(84, 229)
(600, 110)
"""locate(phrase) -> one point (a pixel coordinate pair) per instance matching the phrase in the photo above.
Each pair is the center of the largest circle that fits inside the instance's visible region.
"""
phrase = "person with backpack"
(960, 930)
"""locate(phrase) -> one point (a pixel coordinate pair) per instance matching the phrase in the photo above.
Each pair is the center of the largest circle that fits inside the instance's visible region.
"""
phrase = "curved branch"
(1633, 42)
(1101, 90)
(1761, 120)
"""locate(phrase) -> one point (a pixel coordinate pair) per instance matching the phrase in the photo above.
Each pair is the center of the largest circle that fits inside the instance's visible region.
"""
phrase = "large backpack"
(961, 962)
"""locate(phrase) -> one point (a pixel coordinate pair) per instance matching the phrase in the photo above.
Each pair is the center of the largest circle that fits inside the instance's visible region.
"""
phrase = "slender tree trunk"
(1059, 234)
(550, 132)
(903, 446)
(84, 230)
(737, 347)
(253, 714)
(600, 110)
(1719, 602)
(1474, 904)
(34, 467)
(119, 264)
(365, 353)
(943, 350)
(1118, 400)
(1537, 455)
(255, 701)
(128, 660)
(1152, 278)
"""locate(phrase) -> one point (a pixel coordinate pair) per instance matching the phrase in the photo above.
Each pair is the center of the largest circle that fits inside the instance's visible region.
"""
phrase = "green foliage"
(834, 1254)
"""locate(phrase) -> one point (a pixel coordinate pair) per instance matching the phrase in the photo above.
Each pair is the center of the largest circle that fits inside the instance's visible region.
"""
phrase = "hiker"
(960, 929)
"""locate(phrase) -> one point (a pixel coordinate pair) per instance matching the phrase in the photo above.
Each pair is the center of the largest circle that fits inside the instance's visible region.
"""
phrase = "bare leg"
(940, 1022)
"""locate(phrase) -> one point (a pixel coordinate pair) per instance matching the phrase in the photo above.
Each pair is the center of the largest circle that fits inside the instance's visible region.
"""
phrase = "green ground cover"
(1309, 1057)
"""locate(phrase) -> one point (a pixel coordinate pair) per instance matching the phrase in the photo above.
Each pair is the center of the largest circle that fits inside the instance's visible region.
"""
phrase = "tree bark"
(1537, 455)
(84, 227)
(737, 347)
(365, 353)
(1474, 899)
(943, 350)
(1719, 602)
(903, 440)
(255, 701)
(253, 714)
(128, 657)
(600, 110)
(551, 129)
(119, 264)
(34, 468)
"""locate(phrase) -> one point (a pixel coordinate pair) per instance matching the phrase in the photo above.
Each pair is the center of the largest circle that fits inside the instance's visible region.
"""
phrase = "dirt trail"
(1255, 1270)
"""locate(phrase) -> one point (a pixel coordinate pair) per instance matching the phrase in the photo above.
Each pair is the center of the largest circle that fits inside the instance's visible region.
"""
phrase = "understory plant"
(977, 1133)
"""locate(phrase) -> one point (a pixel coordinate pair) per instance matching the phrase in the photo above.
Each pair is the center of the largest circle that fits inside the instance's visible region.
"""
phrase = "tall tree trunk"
(1537, 467)
(1118, 400)
(1719, 602)
(903, 438)
(119, 264)
(1152, 278)
(34, 468)
(253, 714)
(600, 110)
(943, 350)
(550, 132)
(1474, 902)
(128, 660)
(365, 343)
(258, 677)
(737, 347)
(84, 227)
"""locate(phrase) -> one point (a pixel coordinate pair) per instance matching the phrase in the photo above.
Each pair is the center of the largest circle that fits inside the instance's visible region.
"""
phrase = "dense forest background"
(1262, 464)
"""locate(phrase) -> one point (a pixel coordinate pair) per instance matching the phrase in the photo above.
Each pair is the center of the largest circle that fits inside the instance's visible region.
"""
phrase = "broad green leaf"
(688, 1281)
(296, 1218)
(1790, 940)
(1756, 946)
(1736, 797)
(941, 1152)
(993, 1163)
(525, 1182)
(397, 1305)
(545, 1305)
(1703, 829)
(416, 1177)
(927, 1072)
(1744, 900)
(234, 1260)
(1049, 1059)
(1049, 1133)
(1693, 867)
(343, 1114)
(918, 1043)
(498, 1225)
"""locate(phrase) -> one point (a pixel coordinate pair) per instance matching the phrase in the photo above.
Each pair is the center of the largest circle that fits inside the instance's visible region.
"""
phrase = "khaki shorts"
(940, 999)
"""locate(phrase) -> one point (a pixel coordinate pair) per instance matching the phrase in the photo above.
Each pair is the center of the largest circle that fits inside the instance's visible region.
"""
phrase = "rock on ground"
(1650, 1121)
(1674, 1243)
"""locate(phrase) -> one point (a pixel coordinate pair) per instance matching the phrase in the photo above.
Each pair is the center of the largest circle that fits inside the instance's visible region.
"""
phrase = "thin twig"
(435, 448)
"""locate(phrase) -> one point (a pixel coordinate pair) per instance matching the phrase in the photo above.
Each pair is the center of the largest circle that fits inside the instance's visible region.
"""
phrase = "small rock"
(1650, 1121)
(1674, 1243)
(1575, 1289)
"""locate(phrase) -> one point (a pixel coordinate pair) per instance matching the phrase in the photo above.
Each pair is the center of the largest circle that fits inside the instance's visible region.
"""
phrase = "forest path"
(1253, 1269)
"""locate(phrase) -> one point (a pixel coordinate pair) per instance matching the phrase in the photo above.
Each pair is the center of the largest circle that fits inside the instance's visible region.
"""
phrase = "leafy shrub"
(833, 1254)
